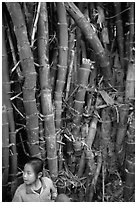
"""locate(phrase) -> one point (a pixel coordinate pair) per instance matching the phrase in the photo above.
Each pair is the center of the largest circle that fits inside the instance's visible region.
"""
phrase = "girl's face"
(29, 176)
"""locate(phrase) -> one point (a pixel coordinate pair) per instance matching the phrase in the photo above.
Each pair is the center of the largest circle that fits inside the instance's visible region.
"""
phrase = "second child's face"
(29, 176)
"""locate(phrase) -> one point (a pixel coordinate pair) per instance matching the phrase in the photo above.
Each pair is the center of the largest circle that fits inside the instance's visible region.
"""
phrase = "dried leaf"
(105, 37)
(101, 17)
(109, 100)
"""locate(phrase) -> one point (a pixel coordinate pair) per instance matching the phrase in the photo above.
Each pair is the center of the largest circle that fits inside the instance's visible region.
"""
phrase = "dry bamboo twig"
(35, 24)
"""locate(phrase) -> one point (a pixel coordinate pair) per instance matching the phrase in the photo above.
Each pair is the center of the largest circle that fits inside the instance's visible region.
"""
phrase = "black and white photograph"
(68, 101)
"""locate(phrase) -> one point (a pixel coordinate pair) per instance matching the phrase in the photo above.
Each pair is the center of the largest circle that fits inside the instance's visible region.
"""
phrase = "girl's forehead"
(28, 167)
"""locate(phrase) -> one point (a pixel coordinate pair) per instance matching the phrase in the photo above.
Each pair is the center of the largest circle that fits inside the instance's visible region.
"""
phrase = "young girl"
(35, 187)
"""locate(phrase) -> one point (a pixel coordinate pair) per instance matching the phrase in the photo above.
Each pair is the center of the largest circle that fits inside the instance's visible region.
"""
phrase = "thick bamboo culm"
(82, 82)
(62, 61)
(46, 99)
(120, 37)
(105, 134)
(6, 89)
(5, 152)
(29, 73)
(129, 187)
(130, 83)
(121, 131)
(92, 38)
(132, 31)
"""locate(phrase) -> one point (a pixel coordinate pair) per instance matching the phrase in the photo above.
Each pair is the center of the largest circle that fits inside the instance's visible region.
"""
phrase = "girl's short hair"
(36, 163)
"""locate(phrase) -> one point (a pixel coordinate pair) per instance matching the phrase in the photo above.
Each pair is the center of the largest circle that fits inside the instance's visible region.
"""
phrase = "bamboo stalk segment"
(46, 98)
(122, 128)
(83, 75)
(130, 83)
(6, 92)
(120, 37)
(27, 63)
(5, 146)
(62, 61)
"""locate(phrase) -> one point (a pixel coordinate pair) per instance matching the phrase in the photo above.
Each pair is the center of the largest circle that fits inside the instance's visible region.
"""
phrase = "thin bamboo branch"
(35, 24)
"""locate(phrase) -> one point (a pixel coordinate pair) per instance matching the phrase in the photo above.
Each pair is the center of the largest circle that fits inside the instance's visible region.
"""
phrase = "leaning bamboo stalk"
(46, 98)
(6, 97)
(71, 57)
(92, 38)
(29, 73)
(5, 152)
(62, 61)
(35, 24)
(92, 132)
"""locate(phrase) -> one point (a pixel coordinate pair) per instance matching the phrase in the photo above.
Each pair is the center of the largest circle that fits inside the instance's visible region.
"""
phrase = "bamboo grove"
(68, 96)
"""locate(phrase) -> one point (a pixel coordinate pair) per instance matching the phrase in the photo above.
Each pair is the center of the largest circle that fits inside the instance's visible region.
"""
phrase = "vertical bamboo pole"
(121, 132)
(83, 76)
(130, 78)
(46, 99)
(129, 187)
(62, 61)
(120, 37)
(5, 152)
(29, 73)
(6, 89)
(105, 137)
(132, 31)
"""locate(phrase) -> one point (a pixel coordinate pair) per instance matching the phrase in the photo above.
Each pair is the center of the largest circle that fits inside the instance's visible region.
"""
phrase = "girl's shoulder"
(46, 180)
(21, 187)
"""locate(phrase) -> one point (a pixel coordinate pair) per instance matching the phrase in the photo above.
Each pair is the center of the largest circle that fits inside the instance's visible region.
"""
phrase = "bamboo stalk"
(71, 57)
(46, 98)
(92, 38)
(29, 73)
(6, 89)
(92, 132)
(95, 178)
(132, 31)
(121, 131)
(130, 83)
(106, 137)
(120, 37)
(62, 62)
(5, 152)
(90, 171)
(129, 186)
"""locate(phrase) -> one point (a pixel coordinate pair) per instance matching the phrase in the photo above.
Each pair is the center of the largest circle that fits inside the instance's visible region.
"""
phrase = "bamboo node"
(62, 24)
(33, 143)
(52, 158)
(62, 66)
(63, 48)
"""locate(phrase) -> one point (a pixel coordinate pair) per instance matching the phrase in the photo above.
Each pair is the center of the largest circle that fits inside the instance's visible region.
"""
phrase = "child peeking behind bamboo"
(37, 188)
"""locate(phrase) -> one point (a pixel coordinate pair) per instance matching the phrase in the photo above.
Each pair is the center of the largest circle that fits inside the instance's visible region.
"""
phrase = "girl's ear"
(39, 174)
